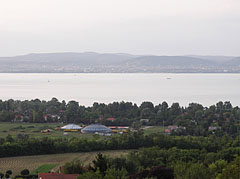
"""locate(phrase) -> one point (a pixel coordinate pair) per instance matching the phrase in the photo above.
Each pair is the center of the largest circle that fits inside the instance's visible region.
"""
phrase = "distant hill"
(235, 62)
(93, 62)
(218, 58)
(169, 61)
(83, 59)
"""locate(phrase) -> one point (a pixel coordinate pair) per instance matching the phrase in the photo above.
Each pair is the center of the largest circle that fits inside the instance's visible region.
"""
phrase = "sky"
(158, 27)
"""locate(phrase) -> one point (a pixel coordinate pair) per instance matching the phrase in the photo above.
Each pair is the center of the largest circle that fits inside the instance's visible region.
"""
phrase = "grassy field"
(45, 168)
(153, 129)
(34, 130)
(48, 162)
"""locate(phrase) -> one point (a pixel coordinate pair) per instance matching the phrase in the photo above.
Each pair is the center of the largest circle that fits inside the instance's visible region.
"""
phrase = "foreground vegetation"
(158, 163)
(37, 146)
(37, 163)
(202, 142)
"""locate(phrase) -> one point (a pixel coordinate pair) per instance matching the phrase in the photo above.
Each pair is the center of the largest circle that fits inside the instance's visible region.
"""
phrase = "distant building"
(174, 127)
(96, 128)
(71, 128)
(18, 117)
(167, 131)
(213, 128)
(111, 119)
(144, 120)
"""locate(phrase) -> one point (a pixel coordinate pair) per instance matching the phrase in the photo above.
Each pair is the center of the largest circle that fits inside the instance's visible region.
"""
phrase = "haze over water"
(206, 89)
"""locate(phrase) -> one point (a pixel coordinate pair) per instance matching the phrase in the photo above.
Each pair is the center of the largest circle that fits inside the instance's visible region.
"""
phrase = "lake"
(205, 89)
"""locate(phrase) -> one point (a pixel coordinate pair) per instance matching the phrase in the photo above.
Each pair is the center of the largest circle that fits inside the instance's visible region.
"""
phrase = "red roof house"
(57, 176)
(110, 119)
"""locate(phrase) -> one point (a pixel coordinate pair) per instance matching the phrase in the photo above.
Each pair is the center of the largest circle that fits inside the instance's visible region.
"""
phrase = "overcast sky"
(160, 27)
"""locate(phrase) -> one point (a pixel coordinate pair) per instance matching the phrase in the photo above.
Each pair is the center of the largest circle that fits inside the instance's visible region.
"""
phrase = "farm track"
(17, 164)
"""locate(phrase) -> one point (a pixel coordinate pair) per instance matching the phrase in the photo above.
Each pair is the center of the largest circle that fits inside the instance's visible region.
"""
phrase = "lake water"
(205, 89)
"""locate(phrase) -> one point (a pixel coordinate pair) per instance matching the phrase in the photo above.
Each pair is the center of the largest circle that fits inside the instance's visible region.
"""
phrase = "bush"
(9, 172)
(25, 172)
(74, 167)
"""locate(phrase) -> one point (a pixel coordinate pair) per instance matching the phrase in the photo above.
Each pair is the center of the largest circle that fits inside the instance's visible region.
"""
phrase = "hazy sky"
(160, 27)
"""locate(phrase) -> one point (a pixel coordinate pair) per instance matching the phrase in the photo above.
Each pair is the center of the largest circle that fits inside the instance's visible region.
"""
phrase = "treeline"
(226, 146)
(157, 163)
(195, 119)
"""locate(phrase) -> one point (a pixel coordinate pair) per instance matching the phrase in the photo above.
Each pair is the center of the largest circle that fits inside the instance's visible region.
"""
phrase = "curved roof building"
(72, 127)
(93, 128)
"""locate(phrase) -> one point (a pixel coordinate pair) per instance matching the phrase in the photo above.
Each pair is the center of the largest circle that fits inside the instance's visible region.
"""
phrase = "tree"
(9, 172)
(145, 113)
(232, 170)
(101, 163)
(1, 175)
(74, 167)
(191, 170)
(25, 172)
(91, 175)
(161, 172)
(136, 125)
(217, 167)
(116, 174)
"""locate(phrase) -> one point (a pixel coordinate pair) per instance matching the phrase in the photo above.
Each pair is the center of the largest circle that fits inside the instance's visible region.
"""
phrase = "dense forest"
(195, 119)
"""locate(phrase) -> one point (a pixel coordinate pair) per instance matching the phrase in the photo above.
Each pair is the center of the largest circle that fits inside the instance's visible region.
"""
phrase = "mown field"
(34, 130)
(45, 162)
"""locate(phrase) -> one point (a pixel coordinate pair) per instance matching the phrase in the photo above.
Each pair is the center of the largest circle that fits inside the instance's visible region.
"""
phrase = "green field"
(153, 129)
(34, 130)
(45, 163)
(45, 168)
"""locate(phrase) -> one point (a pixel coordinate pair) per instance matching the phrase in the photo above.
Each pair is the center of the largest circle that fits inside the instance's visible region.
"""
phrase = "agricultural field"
(45, 163)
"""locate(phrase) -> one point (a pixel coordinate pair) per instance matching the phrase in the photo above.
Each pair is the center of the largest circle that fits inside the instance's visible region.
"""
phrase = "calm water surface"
(206, 89)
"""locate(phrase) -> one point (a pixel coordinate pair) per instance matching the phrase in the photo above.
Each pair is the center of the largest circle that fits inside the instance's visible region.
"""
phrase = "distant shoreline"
(121, 72)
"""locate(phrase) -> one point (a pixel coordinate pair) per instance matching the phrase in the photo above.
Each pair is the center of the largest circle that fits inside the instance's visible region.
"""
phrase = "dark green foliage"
(192, 170)
(193, 151)
(113, 173)
(101, 163)
(9, 172)
(91, 175)
(121, 162)
(226, 146)
(232, 170)
(161, 172)
(26, 177)
(25, 172)
(140, 175)
(74, 167)
(195, 118)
